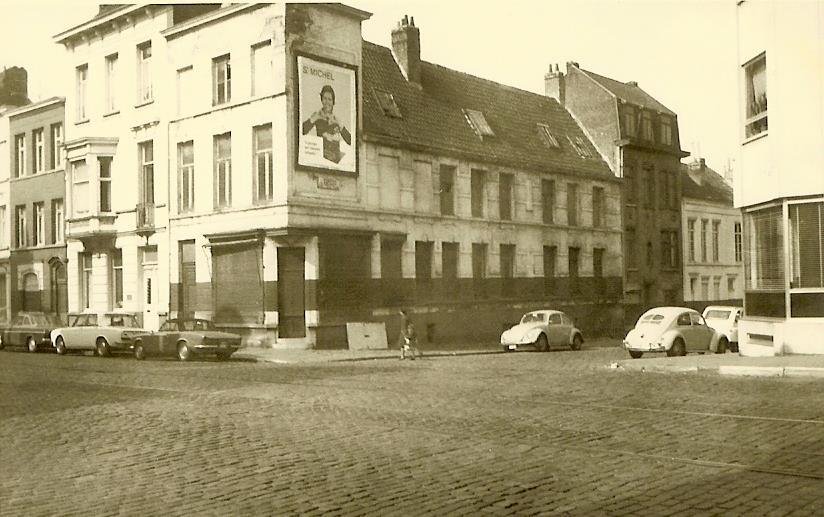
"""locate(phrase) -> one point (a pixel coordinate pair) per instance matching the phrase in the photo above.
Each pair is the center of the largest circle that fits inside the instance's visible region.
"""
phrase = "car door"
(87, 333)
(702, 332)
(164, 336)
(556, 329)
(18, 325)
(683, 324)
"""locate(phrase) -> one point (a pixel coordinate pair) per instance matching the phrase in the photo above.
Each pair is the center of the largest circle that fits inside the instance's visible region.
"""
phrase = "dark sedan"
(31, 330)
(186, 338)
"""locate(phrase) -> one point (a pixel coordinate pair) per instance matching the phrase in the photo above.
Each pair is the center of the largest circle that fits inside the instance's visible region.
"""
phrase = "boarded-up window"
(479, 269)
(238, 290)
(345, 269)
(550, 254)
(188, 280)
(507, 269)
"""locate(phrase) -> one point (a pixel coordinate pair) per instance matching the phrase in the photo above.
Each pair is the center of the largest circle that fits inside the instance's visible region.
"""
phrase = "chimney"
(696, 170)
(555, 85)
(633, 83)
(14, 87)
(406, 47)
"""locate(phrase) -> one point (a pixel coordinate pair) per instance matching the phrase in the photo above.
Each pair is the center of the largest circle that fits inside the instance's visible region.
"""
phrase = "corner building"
(779, 185)
(464, 200)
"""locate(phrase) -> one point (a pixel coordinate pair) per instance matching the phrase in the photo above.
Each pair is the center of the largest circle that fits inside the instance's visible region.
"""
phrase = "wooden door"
(291, 294)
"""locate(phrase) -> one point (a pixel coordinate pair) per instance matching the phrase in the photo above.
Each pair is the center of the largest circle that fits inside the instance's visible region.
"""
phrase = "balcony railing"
(145, 216)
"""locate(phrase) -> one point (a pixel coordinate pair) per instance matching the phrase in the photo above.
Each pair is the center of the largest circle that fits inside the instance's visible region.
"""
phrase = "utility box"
(366, 336)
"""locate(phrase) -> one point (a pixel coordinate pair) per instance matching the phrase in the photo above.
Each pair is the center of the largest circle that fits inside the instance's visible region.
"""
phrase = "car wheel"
(183, 352)
(541, 343)
(635, 354)
(677, 348)
(60, 346)
(577, 341)
(102, 347)
(139, 351)
(31, 345)
(721, 348)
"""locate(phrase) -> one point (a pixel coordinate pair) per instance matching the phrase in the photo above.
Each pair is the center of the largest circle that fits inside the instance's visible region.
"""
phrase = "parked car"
(102, 333)
(724, 319)
(542, 330)
(674, 330)
(31, 330)
(185, 338)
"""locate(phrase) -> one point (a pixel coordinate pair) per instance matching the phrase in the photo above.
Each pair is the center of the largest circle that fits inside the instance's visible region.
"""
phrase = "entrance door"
(150, 319)
(188, 280)
(291, 299)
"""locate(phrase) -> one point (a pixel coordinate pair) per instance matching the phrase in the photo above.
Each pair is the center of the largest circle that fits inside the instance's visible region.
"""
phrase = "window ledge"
(143, 103)
(111, 113)
(79, 122)
(755, 137)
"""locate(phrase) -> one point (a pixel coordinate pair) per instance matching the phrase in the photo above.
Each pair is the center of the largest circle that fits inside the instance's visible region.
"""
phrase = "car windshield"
(534, 317)
(46, 320)
(197, 325)
(121, 320)
(651, 319)
(716, 314)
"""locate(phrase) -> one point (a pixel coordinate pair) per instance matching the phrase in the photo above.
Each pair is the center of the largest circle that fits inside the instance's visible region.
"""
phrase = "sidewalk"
(729, 364)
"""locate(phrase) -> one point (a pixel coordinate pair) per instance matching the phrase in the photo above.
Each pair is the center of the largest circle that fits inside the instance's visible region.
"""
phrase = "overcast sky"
(681, 52)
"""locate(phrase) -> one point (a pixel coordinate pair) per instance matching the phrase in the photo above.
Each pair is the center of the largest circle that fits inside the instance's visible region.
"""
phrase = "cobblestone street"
(498, 434)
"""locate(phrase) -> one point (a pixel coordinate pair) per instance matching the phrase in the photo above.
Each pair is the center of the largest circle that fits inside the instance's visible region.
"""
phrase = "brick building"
(638, 137)
(315, 179)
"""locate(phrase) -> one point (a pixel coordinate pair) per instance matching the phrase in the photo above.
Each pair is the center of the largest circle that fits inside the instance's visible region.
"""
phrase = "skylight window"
(478, 122)
(387, 103)
(547, 136)
(580, 146)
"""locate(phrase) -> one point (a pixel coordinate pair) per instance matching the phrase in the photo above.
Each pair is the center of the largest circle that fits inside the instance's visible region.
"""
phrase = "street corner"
(652, 365)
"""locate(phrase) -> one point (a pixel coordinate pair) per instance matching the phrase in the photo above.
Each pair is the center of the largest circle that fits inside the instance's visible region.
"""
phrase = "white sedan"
(724, 319)
(542, 330)
(674, 330)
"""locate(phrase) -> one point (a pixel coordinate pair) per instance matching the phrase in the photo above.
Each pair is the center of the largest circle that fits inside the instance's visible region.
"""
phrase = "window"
(449, 263)
(223, 170)
(807, 245)
(672, 190)
(755, 83)
(716, 291)
(447, 196)
(387, 103)
(597, 206)
(669, 249)
(505, 196)
(85, 279)
(507, 269)
(650, 201)
(4, 243)
(548, 200)
(111, 83)
(184, 89)
(423, 267)
(221, 80)
(704, 230)
(730, 287)
(572, 204)
(579, 146)
(81, 78)
(477, 190)
(145, 151)
(264, 177)
(629, 121)
(598, 262)
(479, 269)
(647, 132)
(691, 240)
(705, 288)
(58, 221)
(715, 252)
(478, 123)
(144, 73)
(630, 185)
(39, 164)
(547, 136)
(665, 129)
(56, 143)
(739, 242)
(20, 217)
(550, 256)
(39, 224)
(105, 169)
(631, 253)
(20, 162)
(263, 75)
(573, 257)
(117, 278)
(186, 176)
(80, 187)
(764, 249)
(693, 287)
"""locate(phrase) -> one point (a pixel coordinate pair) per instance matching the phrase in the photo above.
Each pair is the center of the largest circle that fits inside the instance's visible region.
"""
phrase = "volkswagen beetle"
(542, 330)
(674, 330)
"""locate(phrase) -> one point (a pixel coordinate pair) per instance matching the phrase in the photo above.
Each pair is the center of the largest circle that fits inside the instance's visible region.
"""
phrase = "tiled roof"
(713, 187)
(631, 93)
(433, 118)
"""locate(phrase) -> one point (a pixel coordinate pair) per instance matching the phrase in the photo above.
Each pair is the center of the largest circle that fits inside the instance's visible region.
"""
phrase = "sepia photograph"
(412, 257)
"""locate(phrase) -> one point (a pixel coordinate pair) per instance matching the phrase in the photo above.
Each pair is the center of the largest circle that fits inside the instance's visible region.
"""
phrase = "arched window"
(31, 292)
(59, 293)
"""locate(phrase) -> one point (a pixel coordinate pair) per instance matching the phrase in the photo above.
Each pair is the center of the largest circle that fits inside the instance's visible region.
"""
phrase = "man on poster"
(327, 126)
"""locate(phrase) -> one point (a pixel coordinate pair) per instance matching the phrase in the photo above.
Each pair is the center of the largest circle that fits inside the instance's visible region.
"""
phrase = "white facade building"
(779, 184)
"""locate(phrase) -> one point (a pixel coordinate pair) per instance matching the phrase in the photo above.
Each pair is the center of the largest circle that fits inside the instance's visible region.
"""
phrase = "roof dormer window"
(547, 136)
(478, 123)
(387, 103)
(580, 146)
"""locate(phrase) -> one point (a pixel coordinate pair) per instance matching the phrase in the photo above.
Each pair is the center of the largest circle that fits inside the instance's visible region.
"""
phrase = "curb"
(259, 359)
(739, 371)
(752, 371)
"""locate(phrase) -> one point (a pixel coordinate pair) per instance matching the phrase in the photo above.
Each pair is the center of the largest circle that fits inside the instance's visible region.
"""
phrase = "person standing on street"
(408, 339)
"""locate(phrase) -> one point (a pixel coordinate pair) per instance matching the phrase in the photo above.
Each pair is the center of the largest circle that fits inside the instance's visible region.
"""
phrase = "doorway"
(291, 294)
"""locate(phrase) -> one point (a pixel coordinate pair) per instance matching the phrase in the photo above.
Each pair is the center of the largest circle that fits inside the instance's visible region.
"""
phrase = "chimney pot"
(406, 47)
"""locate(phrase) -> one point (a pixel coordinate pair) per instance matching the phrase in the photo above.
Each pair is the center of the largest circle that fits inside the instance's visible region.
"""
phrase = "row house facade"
(779, 185)
(13, 94)
(638, 137)
(293, 178)
(713, 237)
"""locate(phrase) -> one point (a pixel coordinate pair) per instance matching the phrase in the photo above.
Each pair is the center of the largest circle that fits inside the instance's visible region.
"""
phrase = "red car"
(186, 338)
